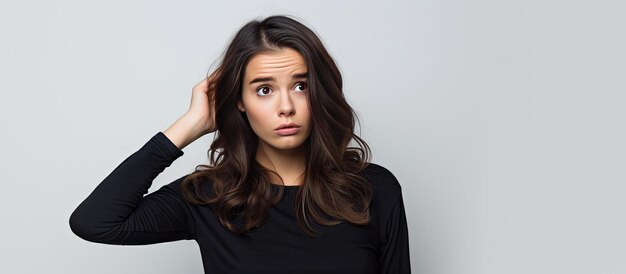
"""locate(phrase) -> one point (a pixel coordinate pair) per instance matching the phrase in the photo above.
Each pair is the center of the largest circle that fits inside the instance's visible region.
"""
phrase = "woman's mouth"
(287, 131)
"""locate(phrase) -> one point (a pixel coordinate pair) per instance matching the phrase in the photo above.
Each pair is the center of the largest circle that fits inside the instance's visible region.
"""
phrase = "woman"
(283, 192)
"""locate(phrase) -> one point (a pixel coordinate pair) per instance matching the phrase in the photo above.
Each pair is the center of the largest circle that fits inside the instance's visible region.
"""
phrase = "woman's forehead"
(285, 61)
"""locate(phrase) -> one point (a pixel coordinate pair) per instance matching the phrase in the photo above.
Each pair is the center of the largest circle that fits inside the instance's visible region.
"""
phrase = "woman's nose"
(286, 105)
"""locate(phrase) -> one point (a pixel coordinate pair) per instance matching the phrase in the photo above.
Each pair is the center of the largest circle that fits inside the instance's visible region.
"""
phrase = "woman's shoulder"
(383, 180)
(177, 185)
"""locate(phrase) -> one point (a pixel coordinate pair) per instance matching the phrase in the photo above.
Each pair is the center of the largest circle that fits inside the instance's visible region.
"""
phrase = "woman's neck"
(288, 163)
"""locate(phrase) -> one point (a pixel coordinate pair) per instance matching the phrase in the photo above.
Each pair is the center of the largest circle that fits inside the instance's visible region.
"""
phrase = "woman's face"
(274, 92)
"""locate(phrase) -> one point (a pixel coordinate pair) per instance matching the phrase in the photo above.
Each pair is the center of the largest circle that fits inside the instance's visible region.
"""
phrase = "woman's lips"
(287, 131)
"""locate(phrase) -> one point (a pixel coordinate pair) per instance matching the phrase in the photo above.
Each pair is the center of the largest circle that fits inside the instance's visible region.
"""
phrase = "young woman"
(283, 192)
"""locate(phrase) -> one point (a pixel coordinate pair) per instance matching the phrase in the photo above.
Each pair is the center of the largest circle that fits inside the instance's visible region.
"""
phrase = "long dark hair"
(240, 188)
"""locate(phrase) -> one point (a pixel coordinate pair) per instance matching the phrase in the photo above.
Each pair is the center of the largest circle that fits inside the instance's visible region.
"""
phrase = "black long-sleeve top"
(117, 212)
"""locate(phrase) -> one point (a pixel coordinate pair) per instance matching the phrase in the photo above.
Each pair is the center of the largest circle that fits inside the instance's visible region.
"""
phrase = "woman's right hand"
(200, 118)
(202, 105)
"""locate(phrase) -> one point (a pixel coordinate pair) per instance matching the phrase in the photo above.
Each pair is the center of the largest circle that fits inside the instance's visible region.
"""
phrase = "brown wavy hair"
(240, 189)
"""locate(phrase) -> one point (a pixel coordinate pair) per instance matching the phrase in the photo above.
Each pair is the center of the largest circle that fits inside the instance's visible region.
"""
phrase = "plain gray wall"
(502, 120)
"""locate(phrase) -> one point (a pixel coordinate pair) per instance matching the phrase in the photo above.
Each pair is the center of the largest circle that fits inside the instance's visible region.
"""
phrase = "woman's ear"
(240, 106)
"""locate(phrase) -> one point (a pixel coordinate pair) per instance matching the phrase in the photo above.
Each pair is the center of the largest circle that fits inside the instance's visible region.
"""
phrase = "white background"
(502, 120)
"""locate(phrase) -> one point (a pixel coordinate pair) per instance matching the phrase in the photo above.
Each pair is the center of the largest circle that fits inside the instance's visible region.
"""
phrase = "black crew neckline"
(287, 187)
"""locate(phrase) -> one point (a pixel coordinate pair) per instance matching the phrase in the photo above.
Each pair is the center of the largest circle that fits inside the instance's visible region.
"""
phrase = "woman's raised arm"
(116, 212)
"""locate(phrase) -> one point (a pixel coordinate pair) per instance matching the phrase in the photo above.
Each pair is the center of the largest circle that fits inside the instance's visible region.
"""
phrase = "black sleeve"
(116, 212)
(394, 256)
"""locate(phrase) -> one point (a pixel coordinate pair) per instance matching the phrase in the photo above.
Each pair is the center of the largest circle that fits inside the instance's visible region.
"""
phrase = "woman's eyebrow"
(268, 79)
(300, 75)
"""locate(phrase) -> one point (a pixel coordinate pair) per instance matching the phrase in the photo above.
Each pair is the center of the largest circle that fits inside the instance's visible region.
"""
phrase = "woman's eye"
(263, 90)
(302, 86)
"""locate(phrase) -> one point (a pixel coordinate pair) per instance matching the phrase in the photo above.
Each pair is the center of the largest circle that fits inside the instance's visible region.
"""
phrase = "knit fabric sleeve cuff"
(166, 146)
